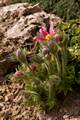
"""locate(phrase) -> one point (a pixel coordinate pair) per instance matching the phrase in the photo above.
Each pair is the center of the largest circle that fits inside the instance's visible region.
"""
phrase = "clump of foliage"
(46, 72)
(72, 28)
(67, 9)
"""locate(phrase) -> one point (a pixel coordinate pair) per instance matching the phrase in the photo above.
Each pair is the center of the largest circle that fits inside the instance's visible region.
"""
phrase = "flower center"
(48, 37)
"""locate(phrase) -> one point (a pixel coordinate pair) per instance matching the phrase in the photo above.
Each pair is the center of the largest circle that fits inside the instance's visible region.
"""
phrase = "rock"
(4, 2)
(14, 110)
(18, 25)
(13, 107)
(65, 116)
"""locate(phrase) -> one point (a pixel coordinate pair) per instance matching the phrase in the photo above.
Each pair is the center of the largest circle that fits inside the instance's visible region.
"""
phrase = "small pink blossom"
(33, 67)
(57, 37)
(18, 74)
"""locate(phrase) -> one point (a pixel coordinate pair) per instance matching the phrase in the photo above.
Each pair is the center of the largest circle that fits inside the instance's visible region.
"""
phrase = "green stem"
(58, 65)
(64, 61)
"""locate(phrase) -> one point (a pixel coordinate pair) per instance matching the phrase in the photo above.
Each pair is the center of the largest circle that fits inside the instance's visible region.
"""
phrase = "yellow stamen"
(48, 37)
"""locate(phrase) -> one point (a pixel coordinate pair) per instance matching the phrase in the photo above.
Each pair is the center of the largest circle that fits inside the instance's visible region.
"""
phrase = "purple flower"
(44, 34)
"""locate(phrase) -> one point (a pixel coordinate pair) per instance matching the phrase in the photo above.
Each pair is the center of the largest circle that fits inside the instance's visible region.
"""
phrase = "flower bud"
(57, 37)
(20, 55)
(18, 74)
(36, 58)
(45, 51)
(33, 67)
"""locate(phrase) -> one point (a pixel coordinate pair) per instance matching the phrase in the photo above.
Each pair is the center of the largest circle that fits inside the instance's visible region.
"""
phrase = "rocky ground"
(13, 107)
(18, 23)
(12, 103)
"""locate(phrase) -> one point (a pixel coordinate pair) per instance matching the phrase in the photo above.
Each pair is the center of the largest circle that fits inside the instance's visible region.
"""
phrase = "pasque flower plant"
(46, 73)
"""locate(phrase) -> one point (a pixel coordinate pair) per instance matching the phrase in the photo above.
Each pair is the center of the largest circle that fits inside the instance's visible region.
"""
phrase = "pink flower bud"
(33, 67)
(57, 37)
(18, 74)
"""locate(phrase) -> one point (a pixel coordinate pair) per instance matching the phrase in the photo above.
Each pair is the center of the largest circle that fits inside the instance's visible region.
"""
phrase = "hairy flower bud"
(57, 37)
(33, 67)
(20, 55)
(45, 51)
(18, 74)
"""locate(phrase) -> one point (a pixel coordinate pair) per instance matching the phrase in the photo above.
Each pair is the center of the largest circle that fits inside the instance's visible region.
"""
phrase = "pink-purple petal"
(51, 29)
(43, 31)
(41, 38)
